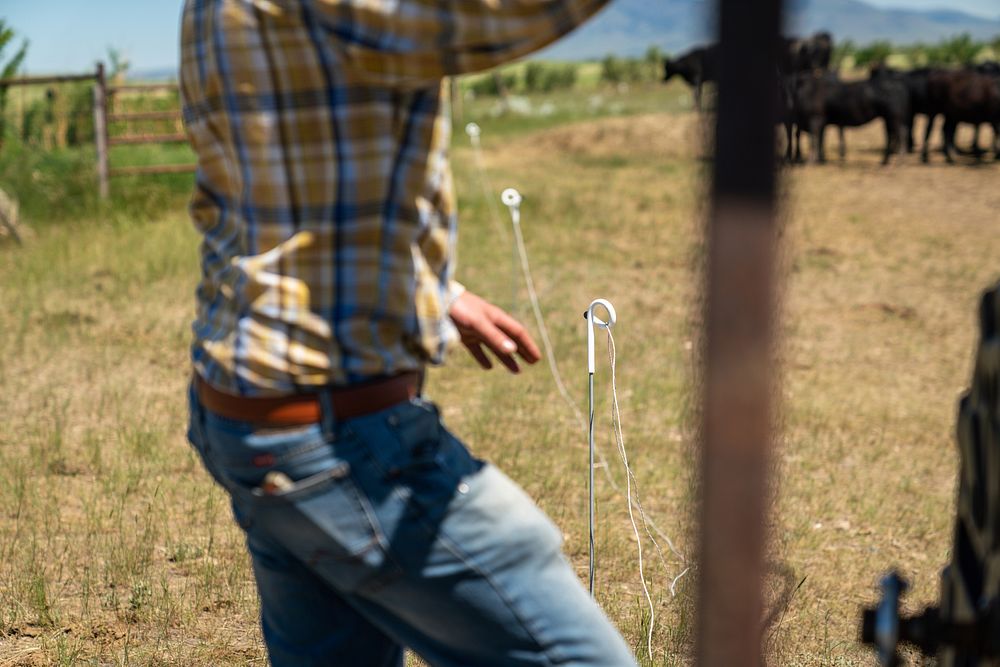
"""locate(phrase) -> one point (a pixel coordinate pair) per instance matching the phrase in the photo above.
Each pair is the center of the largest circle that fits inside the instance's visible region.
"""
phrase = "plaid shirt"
(324, 194)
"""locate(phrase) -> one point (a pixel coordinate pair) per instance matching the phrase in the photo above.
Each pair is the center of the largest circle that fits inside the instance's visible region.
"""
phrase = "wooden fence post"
(457, 111)
(101, 130)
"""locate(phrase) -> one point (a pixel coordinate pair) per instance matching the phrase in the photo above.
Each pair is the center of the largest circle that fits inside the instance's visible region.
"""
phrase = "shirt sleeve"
(455, 290)
(416, 42)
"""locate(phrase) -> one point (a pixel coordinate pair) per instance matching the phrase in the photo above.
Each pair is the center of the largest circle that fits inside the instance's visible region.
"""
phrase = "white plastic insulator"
(594, 321)
(510, 197)
(472, 129)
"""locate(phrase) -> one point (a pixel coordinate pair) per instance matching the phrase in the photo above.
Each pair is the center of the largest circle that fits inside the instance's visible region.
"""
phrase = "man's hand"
(481, 323)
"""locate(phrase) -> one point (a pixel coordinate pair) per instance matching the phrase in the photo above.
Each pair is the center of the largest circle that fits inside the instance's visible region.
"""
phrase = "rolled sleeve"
(416, 42)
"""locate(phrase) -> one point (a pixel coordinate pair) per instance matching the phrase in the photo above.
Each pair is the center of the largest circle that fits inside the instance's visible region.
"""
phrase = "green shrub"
(563, 76)
(916, 54)
(60, 185)
(872, 54)
(612, 69)
(843, 50)
(8, 68)
(80, 126)
(615, 69)
(961, 49)
(49, 184)
(487, 84)
(534, 75)
(653, 59)
(546, 77)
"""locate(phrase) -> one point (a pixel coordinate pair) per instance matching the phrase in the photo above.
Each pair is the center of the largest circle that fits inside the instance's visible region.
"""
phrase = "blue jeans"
(391, 535)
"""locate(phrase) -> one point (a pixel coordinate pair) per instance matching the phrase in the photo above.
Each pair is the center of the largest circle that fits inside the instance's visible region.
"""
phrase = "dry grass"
(116, 549)
(886, 268)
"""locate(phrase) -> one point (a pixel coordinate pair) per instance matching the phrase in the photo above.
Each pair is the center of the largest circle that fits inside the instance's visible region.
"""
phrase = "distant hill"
(153, 75)
(863, 23)
(629, 27)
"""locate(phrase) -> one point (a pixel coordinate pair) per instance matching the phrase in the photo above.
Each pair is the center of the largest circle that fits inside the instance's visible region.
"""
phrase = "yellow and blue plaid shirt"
(323, 192)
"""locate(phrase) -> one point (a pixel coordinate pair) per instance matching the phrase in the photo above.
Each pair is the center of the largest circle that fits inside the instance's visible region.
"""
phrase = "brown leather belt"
(301, 409)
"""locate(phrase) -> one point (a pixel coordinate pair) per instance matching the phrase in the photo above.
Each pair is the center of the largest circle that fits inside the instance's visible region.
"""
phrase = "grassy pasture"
(115, 548)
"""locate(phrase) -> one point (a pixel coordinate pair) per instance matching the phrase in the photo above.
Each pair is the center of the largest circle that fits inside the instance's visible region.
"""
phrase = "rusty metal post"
(101, 130)
(738, 376)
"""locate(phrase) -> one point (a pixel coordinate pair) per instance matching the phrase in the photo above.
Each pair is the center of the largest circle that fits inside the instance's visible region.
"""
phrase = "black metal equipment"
(963, 630)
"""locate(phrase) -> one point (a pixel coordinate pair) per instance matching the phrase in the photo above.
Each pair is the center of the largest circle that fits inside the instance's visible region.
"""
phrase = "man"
(325, 201)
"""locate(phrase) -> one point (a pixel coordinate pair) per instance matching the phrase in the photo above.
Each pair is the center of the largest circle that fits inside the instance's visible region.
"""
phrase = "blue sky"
(987, 8)
(71, 35)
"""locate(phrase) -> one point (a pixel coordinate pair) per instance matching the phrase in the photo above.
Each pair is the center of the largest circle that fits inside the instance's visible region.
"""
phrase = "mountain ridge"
(629, 27)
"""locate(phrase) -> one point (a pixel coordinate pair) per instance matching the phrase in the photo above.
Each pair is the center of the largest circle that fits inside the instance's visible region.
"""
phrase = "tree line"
(957, 51)
(542, 77)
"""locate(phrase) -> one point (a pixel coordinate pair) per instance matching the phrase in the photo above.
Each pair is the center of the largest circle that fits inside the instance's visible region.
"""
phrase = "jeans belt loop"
(328, 420)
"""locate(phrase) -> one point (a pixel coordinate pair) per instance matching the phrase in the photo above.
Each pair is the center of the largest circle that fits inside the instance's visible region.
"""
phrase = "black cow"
(989, 68)
(784, 91)
(963, 96)
(822, 100)
(698, 67)
(811, 54)
(915, 82)
(701, 65)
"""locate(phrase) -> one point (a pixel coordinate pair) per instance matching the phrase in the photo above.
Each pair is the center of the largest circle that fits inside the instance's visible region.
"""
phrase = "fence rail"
(154, 169)
(41, 80)
(104, 95)
(132, 139)
(144, 115)
(141, 87)
(111, 92)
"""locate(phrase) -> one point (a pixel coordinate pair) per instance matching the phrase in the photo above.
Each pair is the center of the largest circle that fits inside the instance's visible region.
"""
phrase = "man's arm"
(417, 42)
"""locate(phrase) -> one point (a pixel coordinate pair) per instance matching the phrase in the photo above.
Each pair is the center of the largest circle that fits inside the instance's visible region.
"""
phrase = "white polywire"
(474, 136)
(484, 179)
(564, 393)
(561, 387)
(630, 478)
(540, 322)
(526, 270)
(673, 584)
(474, 132)
(616, 422)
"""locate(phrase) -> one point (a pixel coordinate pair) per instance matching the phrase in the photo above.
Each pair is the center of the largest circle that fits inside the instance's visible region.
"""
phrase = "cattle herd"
(811, 97)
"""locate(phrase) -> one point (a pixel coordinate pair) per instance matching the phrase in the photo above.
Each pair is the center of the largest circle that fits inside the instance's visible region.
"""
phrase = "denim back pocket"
(328, 523)
(317, 511)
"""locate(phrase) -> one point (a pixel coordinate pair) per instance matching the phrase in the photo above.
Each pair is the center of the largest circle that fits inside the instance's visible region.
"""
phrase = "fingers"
(477, 353)
(495, 339)
(498, 343)
(526, 346)
(512, 337)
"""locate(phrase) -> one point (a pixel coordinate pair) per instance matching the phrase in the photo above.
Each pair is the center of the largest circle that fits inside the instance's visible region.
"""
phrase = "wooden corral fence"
(106, 97)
